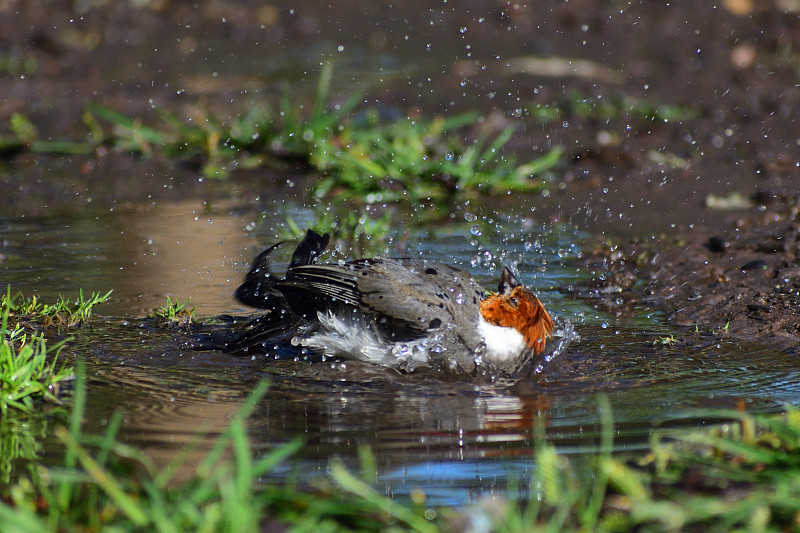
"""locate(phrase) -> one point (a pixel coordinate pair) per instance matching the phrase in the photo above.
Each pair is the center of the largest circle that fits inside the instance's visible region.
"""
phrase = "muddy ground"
(639, 183)
(741, 279)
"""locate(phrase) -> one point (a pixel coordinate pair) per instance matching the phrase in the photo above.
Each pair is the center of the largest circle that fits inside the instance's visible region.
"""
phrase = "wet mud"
(741, 279)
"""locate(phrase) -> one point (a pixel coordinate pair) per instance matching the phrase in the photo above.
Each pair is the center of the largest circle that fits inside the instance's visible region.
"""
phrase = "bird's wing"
(423, 294)
(414, 293)
(331, 281)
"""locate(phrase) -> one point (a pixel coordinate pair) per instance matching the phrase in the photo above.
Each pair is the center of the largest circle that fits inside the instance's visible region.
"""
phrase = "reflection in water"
(21, 439)
(183, 249)
(174, 400)
(456, 440)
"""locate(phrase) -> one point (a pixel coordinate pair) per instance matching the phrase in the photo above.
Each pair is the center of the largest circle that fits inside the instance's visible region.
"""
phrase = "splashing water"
(566, 335)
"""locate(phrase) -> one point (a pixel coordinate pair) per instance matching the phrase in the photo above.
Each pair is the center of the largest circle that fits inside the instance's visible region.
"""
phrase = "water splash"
(566, 335)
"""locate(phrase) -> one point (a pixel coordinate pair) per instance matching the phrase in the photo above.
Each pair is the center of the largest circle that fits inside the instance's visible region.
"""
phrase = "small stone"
(717, 244)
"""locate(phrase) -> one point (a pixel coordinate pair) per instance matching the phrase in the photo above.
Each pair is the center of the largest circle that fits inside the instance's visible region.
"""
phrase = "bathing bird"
(399, 312)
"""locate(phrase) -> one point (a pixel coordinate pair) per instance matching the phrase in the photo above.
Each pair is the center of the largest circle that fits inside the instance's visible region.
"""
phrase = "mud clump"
(742, 278)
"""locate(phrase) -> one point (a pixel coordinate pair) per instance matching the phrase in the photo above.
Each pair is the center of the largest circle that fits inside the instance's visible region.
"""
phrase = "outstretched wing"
(334, 283)
(414, 293)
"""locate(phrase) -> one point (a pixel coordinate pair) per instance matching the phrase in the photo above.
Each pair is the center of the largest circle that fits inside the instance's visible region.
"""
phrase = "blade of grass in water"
(64, 490)
(352, 484)
(108, 483)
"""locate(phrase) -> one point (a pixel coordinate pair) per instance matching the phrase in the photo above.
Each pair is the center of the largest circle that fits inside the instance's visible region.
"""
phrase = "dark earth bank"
(742, 279)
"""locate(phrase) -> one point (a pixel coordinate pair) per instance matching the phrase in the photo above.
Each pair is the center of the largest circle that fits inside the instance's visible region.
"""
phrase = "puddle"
(457, 440)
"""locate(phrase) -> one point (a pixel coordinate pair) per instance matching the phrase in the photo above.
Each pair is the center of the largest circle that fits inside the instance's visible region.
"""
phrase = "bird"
(403, 313)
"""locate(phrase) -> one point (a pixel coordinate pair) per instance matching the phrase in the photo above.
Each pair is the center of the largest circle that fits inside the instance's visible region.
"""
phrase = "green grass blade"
(459, 121)
(78, 407)
(540, 164)
(381, 502)
(244, 411)
(126, 503)
(491, 153)
(591, 513)
(60, 147)
(16, 520)
(323, 89)
(127, 124)
(276, 457)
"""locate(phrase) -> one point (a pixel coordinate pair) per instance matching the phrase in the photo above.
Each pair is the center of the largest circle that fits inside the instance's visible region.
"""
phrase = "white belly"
(502, 344)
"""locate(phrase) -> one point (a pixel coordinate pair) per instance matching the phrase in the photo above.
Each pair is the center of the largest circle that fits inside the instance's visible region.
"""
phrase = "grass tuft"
(63, 314)
(421, 159)
(27, 368)
(365, 232)
(372, 155)
(578, 105)
(175, 314)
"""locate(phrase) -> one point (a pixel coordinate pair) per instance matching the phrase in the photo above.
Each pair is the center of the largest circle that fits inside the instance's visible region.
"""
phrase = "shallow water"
(140, 229)
(457, 440)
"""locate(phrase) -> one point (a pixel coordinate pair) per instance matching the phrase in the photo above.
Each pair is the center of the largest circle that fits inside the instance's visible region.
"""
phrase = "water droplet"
(476, 230)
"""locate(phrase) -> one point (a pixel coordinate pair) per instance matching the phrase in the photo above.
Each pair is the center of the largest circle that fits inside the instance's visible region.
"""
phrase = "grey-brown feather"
(418, 293)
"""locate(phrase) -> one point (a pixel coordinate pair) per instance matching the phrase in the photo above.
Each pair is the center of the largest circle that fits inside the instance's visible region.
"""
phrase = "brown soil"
(741, 280)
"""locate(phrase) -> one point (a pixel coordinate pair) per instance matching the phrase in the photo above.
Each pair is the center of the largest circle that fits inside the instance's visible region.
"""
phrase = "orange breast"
(522, 311)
